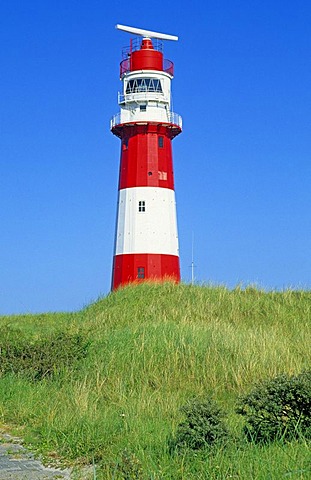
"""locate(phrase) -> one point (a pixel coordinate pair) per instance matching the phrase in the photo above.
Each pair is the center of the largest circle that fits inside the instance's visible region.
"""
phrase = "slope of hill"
(106, 384)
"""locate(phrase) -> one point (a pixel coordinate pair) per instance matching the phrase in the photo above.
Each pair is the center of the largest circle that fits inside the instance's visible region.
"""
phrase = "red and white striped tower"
(146, 241)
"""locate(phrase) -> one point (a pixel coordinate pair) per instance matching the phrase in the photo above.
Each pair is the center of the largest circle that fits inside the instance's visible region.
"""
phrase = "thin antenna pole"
(192, 261)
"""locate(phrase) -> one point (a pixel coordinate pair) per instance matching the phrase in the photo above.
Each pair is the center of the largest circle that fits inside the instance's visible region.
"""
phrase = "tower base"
(128, 268)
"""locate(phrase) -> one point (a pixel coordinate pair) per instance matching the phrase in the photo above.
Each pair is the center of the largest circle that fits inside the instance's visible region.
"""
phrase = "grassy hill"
(106, 384)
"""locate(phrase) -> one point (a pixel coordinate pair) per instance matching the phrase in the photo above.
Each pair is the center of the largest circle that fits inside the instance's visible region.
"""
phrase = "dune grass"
(151, 347)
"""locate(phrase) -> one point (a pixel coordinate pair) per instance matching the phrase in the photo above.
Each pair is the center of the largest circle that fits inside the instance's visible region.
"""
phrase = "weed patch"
(128, 467)
(40, 358)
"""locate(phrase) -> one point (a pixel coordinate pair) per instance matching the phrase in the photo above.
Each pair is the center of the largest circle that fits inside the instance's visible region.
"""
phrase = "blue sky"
(242, 164)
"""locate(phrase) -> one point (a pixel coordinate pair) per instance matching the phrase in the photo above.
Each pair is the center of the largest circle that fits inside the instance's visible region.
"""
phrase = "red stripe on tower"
(146, 241)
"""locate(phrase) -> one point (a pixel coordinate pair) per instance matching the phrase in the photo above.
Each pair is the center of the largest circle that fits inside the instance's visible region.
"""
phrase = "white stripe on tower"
(147, 221)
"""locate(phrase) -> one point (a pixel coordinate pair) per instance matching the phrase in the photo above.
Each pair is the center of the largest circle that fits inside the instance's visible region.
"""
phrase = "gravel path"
(16, 463)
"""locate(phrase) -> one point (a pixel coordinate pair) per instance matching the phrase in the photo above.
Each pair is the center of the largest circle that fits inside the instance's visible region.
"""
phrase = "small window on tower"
(141, 272)
(142, 206)
(143, 108)
(161, 142)
(125, 143)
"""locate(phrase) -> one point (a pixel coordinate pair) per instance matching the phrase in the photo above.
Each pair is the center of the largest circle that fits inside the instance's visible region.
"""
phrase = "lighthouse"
(146, 238)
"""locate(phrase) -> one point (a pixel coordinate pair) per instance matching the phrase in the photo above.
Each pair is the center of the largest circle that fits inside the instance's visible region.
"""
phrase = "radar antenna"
(146, 33)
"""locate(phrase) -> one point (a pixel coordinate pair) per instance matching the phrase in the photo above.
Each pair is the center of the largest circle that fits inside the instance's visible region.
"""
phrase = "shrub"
(278, 408)
(202, 427)
(39, 358)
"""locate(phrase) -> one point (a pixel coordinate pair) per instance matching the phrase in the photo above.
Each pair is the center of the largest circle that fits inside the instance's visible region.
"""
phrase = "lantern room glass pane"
(139, 85)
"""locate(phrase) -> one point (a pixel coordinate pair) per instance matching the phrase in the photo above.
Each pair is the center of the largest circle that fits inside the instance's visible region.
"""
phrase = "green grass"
(152, 347)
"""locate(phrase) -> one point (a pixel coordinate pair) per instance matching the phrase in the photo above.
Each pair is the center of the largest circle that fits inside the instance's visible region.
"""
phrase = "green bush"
(278, 408)
(39, 358)
(203, 426)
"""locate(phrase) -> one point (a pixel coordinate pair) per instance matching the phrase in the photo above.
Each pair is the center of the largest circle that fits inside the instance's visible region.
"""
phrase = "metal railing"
(168, 67)
(172, 118)
(175, 119)
(115, 120)
(125, 66)
(140, 97)
(136, 45)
